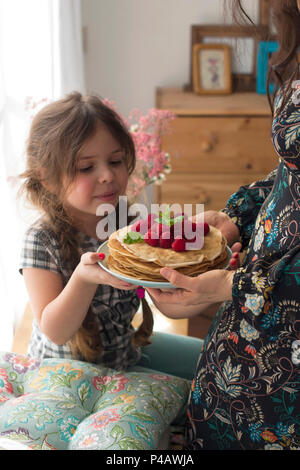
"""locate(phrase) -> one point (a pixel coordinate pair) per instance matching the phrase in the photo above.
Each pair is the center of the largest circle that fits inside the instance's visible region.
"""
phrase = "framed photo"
(264, 53)
(243, 42)
(211, 69)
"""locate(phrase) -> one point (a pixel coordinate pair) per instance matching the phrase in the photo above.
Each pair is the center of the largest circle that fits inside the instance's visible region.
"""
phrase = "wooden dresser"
(217, 144)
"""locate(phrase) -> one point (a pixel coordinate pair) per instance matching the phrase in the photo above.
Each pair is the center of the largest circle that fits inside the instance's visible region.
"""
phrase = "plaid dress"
(113, 308)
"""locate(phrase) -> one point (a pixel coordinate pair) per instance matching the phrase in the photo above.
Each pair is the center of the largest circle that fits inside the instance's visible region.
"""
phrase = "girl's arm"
(60, 310)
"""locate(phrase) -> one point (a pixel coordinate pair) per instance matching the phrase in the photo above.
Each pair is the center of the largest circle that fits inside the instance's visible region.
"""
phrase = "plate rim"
(140, 282)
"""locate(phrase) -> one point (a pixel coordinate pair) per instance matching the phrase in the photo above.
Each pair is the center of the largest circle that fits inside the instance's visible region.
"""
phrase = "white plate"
(139, 282)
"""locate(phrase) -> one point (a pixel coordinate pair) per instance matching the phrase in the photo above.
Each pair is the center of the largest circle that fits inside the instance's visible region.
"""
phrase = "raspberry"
(203, 227)
(206, 228)
(143, 226)
(151, 239)
(150, 219)
(178, 244)
(165, 242)
(136, 226)
(189, 229)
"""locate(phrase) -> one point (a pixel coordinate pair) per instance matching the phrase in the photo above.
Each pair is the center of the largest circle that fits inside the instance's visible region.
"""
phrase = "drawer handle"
(207, 146)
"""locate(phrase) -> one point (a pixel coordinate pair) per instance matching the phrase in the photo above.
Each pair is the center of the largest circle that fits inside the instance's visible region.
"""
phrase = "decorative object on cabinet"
(265, 50)
(211, 69)
(265, 15)
(218, 144)
(264, 12)
(243, 41)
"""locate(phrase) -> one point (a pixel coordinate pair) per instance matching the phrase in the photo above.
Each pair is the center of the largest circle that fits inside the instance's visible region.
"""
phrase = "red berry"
(165, 242)
(143, 228)
(150, 219)
(189, 230)
(136, 226)
(178, 244)
(178, 229)
(206, 228)
(151, 238)
(203, 227)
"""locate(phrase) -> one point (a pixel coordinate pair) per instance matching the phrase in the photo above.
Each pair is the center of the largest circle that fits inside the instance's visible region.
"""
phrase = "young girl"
(79, 155)
(245, 392)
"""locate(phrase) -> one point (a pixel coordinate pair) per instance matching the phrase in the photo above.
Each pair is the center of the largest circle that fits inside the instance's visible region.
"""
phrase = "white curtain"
(40, 57)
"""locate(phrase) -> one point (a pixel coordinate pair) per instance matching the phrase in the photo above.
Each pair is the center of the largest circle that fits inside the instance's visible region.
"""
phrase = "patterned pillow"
(66, 404)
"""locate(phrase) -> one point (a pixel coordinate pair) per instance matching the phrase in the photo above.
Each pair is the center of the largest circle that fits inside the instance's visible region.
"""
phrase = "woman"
(245, 392)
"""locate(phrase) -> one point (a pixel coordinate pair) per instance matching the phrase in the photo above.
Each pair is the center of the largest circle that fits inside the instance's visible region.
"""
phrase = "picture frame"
(265, 12)
(243, 42)
(212, 69)
(265, 50)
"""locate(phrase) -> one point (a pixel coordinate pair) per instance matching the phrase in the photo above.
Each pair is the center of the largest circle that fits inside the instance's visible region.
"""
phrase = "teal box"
(265, 50)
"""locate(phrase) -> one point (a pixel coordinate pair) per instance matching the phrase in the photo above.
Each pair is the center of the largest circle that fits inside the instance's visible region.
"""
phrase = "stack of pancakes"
(142, 261)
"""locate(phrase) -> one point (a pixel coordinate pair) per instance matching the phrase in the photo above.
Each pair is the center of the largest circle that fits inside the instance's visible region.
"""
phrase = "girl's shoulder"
(41, 234)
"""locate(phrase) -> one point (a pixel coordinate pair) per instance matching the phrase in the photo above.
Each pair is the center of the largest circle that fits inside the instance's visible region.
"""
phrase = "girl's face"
(101, 174)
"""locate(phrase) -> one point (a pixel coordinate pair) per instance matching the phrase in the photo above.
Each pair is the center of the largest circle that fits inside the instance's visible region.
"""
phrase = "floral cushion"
(66, 404)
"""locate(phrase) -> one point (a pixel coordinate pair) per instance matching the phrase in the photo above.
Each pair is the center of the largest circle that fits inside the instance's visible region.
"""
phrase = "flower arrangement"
(152, 163)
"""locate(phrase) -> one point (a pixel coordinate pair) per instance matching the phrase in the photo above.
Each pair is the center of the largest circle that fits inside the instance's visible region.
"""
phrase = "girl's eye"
(116, 162)
(86, 169)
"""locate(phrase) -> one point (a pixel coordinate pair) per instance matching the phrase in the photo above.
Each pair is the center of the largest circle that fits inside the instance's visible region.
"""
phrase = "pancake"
(142, 261)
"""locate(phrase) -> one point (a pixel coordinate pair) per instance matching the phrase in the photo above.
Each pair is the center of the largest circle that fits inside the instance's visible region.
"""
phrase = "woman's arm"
(244, 205)
(194, 294)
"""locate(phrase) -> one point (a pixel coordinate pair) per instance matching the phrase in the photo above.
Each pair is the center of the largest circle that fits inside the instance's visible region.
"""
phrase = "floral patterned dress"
(245, 393)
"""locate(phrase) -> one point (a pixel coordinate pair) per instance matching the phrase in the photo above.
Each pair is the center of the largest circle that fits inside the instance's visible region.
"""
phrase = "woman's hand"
(89, 271)
(211, 287)
(221, 221)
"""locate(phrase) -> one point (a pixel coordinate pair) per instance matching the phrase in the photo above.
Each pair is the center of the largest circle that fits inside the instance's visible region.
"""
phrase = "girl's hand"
(211, 287)
(89, 271)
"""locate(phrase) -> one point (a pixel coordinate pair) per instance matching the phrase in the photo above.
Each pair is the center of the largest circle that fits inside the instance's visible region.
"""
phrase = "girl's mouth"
(107, 196)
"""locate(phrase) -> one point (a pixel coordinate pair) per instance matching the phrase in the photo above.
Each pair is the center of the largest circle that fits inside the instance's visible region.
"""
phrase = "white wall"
(133, 46)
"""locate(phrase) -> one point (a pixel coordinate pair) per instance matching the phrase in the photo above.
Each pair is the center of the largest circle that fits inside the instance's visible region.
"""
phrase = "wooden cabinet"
(217, 144)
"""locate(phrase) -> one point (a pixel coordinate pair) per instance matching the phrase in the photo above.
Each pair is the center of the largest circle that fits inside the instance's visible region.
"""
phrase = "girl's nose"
(105, 175)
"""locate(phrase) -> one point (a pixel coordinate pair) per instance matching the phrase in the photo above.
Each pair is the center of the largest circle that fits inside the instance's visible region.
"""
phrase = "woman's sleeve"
(244, 205)
(267, 291)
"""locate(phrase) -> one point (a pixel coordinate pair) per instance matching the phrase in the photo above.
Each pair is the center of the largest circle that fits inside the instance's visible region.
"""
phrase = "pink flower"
(111, 384)
(160, 377)
(151, 162)
(103, 418)
(22, 364)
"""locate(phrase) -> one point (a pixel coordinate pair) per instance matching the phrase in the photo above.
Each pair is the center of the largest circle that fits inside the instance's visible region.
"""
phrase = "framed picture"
(264, 53)
(243, 42)
(265, 12)
(211, 69)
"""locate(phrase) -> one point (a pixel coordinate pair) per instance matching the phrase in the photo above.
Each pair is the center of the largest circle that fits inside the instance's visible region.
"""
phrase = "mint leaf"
(133, 237)
(179, 218)
(166, 219)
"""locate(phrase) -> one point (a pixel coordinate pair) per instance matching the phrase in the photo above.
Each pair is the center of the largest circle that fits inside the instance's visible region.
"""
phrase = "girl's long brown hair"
(57, 134)
(283, 66)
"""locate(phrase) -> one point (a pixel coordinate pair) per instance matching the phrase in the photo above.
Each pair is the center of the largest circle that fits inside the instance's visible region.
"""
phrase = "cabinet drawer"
(212, 190)
(220, 145)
